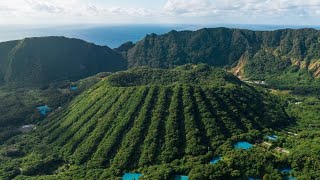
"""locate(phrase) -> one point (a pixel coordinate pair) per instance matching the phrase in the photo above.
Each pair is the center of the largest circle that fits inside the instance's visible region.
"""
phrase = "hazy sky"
(43, 12)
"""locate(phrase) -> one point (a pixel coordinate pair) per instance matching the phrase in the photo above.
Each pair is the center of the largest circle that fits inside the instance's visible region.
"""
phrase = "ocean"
(115, 35)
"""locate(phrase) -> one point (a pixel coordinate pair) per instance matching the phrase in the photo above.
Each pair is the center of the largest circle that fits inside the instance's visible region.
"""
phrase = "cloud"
(5, 10)
(242, 7)
(45, 6)
(69, 11)
(172, 11)
(139, 12)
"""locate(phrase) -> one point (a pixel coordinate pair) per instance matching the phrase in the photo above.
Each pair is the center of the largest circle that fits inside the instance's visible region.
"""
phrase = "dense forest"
(224, 47)
(52, 59)
(135, 121)
(19, 105)
(287, 58)
(40, 71)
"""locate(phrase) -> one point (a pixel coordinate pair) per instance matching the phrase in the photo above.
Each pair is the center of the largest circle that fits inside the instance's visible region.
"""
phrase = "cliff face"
(255, 54)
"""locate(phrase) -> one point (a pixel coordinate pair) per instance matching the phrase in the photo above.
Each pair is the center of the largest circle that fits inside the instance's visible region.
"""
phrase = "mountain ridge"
(54, 58)
(226, 47)
(248, 54)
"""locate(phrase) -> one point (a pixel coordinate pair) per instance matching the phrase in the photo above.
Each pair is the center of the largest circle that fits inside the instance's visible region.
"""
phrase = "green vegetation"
(134, 121)
(188, 74)
(162, 122)
(304, 145)
(18, 105)
(51, 59)
(286, 59)
(38, 71)
(223, 46)
(300, 82)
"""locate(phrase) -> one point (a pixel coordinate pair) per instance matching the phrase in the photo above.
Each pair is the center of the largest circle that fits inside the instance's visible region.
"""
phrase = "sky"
(61, 12)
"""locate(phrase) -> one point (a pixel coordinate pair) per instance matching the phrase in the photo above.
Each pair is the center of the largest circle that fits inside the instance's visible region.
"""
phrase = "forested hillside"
(153, 122)
(286, 58)
(163, 121)
(18, 107)
(40, 61)
(281, 56)
(40, 71)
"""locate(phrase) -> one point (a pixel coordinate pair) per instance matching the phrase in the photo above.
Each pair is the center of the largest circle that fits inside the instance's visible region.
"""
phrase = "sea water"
(115, 35)
(104, 35)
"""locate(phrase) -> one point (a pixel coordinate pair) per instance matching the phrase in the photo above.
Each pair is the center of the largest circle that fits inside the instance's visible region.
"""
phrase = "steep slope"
(258, 54)
(150, 117)
(37, 61)
(5, 48)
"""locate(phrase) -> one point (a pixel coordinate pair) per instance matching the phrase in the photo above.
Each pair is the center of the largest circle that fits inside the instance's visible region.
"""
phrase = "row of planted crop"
(48, 122)
(214, 129)
(78, 111)
(89, 145)
(91, 122)
(173, 145)
(91, 114)
(151, 147)
(129, 151)
(111, 141)
(244, 112)
(195, 139)
(221, 111)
